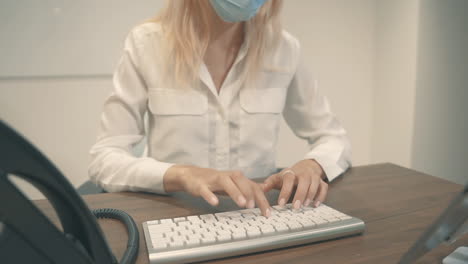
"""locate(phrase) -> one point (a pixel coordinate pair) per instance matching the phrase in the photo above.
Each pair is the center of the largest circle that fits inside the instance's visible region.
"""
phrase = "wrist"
(317, 168)
(174, 178)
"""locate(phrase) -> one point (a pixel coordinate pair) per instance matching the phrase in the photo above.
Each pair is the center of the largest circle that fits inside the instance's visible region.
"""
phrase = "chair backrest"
(81, 241)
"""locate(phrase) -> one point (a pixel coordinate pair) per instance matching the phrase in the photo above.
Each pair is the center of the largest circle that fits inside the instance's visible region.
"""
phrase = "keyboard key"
(234, 222)
(319, 221)
(207, 217)
(153, 222)
(199, 230)
(179, 228)
(252, 228)
(279, 208)
(256, 223)
(238, 230)
(223, 232)
(210, 234)
(179, 238)
(159, 246)
(159, 228)
(333, 219)
(208, 240)
(268, 231)
(232, 214)
(253, 232)
(160, 240)
(196, 236)
(209, 222)
(193, 226)
(166, 221)
(157, 235)
(295, 226)
(192, 242)
(193, 218)
(184, 223)
(282, 228)
(171, 234)
(249, 215)
(186, 232)
(307, 223)
(238, 235)
(176, 244)
(266, 226)
(179, 219)
(224, 237)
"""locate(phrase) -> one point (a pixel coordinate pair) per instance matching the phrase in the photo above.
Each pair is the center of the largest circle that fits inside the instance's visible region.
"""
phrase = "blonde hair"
(186, 28)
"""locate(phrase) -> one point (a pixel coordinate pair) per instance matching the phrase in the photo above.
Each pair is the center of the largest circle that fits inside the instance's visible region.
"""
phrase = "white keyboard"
(210, 236)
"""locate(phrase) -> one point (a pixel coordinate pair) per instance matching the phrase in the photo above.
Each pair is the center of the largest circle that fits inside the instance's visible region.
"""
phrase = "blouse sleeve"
(308, 114)
(113, 165)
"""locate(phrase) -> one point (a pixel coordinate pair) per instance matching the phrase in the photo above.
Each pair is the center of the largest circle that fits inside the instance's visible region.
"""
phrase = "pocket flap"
(177, 102)
(265, 100)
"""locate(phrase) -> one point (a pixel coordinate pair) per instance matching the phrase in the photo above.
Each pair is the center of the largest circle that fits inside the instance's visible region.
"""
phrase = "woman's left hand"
(306, 176)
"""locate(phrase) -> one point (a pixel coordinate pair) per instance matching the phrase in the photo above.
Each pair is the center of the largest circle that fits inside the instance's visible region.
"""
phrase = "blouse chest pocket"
(178, 123)
(166, 102)
(263, 101)
(268, 96)
(260, 117)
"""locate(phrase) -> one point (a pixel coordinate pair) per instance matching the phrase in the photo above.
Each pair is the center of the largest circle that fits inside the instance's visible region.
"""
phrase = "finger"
(231, 189)
(313, 188)
(321, 194)
(245, 186)
(209, 196)
(289, 180)
(303, 185)
(274, 181)
(263, 187)
(262, 202)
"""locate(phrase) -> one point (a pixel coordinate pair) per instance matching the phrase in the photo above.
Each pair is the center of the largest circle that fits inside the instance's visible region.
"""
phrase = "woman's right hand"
(206, 182)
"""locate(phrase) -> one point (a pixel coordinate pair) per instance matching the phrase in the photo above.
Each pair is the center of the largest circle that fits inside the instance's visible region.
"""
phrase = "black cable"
(131, 252)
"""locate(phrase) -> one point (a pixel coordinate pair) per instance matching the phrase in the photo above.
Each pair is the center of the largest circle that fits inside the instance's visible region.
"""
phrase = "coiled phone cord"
(131, 252)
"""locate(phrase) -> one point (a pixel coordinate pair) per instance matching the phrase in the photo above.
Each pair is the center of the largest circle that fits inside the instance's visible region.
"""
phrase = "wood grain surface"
(397, 205)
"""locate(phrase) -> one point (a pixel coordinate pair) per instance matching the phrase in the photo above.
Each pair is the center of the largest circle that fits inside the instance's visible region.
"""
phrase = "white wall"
(63, 31)
(440, 140)
(395, 79)
(337, 40)
(60, 116)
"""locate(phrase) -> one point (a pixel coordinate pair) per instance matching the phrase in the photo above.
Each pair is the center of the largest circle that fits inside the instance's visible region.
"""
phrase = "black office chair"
(27, 235)
(89, 187)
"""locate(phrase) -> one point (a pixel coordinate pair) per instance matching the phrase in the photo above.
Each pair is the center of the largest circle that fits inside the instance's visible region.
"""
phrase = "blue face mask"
(236, 10)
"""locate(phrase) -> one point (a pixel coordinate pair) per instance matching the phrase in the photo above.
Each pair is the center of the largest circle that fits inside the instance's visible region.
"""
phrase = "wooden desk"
(397, 205)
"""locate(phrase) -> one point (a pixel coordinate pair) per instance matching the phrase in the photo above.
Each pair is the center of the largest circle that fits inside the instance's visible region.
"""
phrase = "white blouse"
(236, 129)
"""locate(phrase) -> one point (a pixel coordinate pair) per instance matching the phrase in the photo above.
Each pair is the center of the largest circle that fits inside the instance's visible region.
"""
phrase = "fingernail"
(282, 202)
(251, 204)
(317, 204)
(241, 200)
(214, 200)
(297, 204)
(307, 202)
(268, 212)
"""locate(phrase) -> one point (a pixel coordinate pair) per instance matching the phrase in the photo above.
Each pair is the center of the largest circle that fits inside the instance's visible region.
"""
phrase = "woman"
(214, 78)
